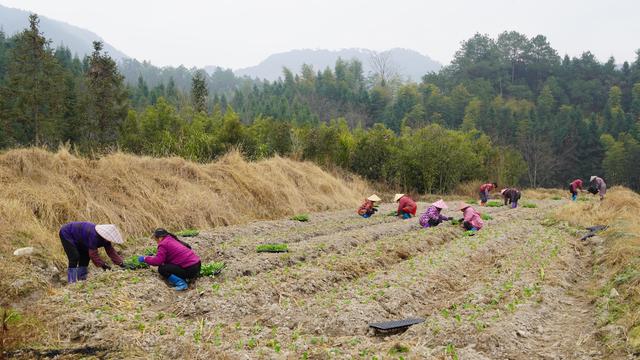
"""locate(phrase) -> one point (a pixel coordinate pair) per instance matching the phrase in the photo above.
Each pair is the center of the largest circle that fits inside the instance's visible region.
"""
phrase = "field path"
(516, 290)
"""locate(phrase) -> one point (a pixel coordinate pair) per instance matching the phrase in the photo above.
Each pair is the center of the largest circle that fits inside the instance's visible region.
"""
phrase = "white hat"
(502, 191)
(592, 178)
(110, 233)
(374, 197)
(440, 204)
(397, 197)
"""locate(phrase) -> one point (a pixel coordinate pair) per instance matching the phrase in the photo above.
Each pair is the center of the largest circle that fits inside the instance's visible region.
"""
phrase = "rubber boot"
(179, 284)
(514, 205)
(574, 197)
(72, 275)
(82, 273)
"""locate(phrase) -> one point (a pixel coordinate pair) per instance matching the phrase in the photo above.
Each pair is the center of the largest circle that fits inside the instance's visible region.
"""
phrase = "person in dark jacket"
(175, 259)
(598, 185)
(511, 196)
(81, 241)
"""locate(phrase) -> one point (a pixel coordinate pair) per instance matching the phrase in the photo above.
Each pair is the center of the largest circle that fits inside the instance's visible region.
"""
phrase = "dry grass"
(41, 190)
(468, 189)
(621, 258)
(541, 193)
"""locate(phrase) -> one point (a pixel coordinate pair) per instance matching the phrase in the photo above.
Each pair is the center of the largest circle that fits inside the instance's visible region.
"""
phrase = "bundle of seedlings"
(300, 217)
(272, 248)
(212, 269)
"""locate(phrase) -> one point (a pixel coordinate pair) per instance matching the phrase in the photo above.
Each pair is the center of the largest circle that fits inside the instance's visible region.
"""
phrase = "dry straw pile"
(619, 264)
(40, 190)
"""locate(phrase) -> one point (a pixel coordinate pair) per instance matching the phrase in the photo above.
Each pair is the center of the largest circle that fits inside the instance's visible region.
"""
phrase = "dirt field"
(519, 289)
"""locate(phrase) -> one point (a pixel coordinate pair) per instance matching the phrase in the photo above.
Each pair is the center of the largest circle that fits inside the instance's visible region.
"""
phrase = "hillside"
(409, 64)
(77, 39)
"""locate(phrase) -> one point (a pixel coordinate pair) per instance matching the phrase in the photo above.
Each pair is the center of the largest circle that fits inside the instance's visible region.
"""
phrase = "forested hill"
(77, 39)
(407, 64)
(508, 109)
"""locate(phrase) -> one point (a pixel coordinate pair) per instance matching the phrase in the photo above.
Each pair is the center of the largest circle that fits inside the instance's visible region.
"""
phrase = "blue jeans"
(406, 215)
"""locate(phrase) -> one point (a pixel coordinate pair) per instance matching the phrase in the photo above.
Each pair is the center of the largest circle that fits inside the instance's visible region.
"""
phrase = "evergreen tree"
(199, 92)
(106, 99)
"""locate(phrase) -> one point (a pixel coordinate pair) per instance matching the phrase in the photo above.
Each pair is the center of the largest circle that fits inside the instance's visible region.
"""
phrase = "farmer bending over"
(81, 241)
(368, 208)
(574, 186)
(511, 196)
(432, 216)
(598, 185)
(175, 260)
(471, 218)
(485, 189)
(406, 206)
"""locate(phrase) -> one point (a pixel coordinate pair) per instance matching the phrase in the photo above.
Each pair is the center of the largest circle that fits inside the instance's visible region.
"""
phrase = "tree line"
(508, 109)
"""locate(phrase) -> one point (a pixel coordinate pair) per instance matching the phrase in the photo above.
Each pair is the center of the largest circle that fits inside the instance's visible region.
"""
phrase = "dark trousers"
(187, 273)
(467, 225)
(78, 257)
(433, 222)
(484, 197)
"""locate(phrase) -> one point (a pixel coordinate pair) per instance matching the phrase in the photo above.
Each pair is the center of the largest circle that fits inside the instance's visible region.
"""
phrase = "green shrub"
(300, 217)
(486, 217)
(188, 233)
(132, 263)
(494, 204)
(273, 248)
(529, 205)
(212, 268)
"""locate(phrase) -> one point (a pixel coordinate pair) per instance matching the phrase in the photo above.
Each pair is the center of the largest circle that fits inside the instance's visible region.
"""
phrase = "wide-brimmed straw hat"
(374, 197)
(440, 204)
(463, 206)
(110, 233)
(592, 178)
(397, 197)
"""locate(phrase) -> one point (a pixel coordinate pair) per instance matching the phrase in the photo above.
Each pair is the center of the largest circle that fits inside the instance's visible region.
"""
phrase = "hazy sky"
(239, 33)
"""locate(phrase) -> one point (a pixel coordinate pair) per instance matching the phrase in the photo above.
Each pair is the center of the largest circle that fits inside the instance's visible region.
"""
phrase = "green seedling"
(150, 251)
(212, 268)
(494, 204)
(392, 213)
(455, 222)
(398, 349)
(469, 233)
(133, 263)
(188, 233)
(300, 217)
(529, 206)
(556, 198)
(471, 201)
(272, 248)
(486, 217)
(451, 351)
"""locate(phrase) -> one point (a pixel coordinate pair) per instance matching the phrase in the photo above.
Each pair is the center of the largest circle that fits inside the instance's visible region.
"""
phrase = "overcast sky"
(240, 33)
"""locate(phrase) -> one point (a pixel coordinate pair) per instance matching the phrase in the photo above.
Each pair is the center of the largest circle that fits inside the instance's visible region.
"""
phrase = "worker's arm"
(96, 259)
(113, 254)
(159, 259)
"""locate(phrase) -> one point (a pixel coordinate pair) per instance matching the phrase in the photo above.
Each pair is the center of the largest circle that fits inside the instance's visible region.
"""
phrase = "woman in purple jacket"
(81, 241)
(175, 259)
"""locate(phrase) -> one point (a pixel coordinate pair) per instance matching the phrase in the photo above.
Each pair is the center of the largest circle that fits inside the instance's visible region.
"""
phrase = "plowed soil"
(516, 290)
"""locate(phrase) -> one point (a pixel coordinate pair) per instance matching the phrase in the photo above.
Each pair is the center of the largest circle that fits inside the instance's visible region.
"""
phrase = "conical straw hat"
(440, 204)
(397, 197)
(110, 233)
(374, 197)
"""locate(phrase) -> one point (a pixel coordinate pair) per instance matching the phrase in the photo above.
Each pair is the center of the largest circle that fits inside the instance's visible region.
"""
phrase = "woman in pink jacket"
(175, 259)
(471, 218)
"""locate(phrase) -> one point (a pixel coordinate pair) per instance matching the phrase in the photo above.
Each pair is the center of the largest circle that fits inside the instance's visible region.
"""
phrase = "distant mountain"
(78, 40)
(410, 64)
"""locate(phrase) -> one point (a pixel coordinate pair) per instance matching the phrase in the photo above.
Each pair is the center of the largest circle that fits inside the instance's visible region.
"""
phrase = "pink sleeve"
(158, 259)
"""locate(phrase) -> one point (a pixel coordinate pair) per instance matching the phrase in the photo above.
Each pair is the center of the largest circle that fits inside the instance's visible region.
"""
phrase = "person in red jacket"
(406, 206)
(485, 189)
(574, 186)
